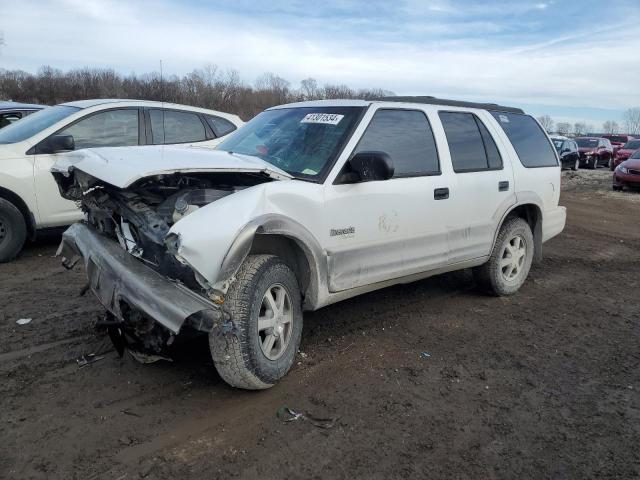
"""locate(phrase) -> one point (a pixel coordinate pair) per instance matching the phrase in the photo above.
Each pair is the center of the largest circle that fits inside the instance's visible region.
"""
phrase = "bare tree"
(547, 123)
(611, 126)
(579, 128)
(563, 128)
(632, 121)
(208, 87)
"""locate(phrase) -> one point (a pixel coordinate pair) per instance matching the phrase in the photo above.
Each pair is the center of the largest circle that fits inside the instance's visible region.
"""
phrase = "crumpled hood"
(123, 166)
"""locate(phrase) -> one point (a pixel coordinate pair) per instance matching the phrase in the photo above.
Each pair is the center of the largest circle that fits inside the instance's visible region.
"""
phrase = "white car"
(306, 205)
(29, 197)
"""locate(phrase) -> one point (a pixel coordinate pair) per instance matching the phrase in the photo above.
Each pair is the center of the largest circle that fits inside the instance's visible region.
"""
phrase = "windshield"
(587, 142)
(34, 123)
(302, 141)
(632, 145)
(636, 154)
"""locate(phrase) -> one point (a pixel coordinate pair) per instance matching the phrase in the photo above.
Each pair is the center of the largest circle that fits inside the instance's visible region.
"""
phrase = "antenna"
(162, 102)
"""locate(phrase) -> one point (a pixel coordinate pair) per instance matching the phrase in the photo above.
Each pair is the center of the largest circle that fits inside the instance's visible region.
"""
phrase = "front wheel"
(594, 162)
(264, 303)
(510, 259)
(576, 165)
(13, 231)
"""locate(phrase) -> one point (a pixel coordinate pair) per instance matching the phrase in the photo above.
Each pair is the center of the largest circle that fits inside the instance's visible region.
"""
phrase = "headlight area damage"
(128, 253)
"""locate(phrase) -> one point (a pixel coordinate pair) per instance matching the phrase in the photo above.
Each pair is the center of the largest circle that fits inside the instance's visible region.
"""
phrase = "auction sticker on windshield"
(325, 118)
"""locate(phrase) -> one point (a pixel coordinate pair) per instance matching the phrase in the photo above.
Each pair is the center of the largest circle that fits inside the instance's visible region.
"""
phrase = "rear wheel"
(611, 167)
(594, 162)
(617, 188)
(510, 260)
(13, 231)
(265, 306)
(576, 165)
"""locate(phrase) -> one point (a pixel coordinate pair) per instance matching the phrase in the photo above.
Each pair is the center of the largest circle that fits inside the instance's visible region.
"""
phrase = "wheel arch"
(21, 205)
(532, 214)
(289, 240)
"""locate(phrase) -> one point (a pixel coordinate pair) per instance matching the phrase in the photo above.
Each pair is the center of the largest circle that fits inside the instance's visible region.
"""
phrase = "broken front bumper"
(117, 278)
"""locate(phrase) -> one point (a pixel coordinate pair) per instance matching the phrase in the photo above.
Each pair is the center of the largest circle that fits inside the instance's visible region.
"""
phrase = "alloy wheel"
(275, 322)
(513, 258)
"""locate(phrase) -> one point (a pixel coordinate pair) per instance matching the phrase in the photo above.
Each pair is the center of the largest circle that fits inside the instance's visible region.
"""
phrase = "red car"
(617, 140)
(625, 152)
(594, 151)
(627, 174)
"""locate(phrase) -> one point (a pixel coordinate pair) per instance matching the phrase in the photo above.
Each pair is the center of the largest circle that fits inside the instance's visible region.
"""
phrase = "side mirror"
(367, 167)
(57, 143)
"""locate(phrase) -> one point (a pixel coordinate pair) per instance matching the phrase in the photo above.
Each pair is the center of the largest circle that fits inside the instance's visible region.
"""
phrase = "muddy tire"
(13, 231)
(576, 165)
(593, 164)
(264, 303)
(510, 260)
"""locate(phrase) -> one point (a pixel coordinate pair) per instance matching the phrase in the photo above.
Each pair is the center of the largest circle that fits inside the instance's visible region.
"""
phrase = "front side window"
(112, 128)
(528, 139)
(471, 145)
(406, 136)
(33, 124)
(170, 126)
(303, 141)
(632, 145)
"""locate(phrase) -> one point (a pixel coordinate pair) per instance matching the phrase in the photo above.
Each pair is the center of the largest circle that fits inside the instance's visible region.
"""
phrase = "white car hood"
(123, 166)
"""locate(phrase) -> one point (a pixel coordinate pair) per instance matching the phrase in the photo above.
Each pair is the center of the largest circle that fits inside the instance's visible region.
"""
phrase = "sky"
(574, 60)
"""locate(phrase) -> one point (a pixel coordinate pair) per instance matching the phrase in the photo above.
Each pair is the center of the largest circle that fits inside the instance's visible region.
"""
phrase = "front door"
(110, 128)
(380, 230)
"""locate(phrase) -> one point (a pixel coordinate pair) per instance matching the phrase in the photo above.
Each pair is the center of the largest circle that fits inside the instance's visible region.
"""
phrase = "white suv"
(29, 198)
(306, 205)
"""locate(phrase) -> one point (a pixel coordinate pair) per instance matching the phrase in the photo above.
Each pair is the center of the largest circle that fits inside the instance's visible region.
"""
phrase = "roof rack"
(451, 103)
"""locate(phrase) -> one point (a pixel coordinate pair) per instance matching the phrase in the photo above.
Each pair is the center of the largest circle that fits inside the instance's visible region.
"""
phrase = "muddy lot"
(429, 380)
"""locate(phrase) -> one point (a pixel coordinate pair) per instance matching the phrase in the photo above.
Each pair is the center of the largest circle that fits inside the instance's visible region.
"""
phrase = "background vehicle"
(11, 112)
(627, 173)
(594, 151)
(29, 197)
(617, 140)
(626, 151)
(306, 205)
(567, 152)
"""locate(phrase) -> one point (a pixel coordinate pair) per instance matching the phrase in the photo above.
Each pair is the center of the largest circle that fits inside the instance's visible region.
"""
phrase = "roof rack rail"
(451, 103)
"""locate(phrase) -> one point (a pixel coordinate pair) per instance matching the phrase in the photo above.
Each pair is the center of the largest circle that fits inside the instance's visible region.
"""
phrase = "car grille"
(634, 172)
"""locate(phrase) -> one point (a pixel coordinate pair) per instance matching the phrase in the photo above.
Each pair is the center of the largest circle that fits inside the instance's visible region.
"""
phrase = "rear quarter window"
(528, 139)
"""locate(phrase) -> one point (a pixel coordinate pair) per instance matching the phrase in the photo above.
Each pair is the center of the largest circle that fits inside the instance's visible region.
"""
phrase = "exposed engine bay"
(140, 217)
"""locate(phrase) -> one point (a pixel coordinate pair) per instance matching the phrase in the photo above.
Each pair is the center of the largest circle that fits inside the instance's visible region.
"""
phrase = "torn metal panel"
(117, 277)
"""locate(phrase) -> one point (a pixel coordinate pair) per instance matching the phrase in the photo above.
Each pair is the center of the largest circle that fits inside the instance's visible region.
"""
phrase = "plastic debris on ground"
(286, 415)
(88, 359)
(23, 321)
(425, 355)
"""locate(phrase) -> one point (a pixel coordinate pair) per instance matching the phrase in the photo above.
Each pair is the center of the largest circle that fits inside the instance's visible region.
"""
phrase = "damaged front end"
(130, 258)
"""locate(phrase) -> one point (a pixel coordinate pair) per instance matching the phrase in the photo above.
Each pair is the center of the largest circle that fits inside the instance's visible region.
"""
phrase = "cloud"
(506, 52)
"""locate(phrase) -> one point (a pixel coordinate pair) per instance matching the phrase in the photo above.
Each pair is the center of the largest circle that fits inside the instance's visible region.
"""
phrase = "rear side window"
(528, 139)
(407, 137)
(471, 146)
(220, 126)
(170, 126)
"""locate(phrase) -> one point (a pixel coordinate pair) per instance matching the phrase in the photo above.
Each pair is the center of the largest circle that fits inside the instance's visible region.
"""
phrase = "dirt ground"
(429, 380)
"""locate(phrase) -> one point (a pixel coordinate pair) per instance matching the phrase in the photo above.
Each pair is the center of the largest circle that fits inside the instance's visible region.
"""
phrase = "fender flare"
(525, 199)
(275, 224)
(21, 205)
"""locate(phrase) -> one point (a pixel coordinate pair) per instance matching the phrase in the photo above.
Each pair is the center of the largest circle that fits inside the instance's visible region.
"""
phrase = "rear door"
(482, 185)
(175, 127)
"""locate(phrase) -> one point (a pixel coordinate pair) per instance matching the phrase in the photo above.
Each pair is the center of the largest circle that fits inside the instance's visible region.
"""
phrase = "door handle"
(503, 186)
(441, 194)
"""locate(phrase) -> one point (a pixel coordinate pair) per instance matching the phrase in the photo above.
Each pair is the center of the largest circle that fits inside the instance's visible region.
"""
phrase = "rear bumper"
(116, 277)
(553, 222)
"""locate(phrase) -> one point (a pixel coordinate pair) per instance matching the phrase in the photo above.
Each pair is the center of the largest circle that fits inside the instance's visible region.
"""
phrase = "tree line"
(630, 125)
(209, 87)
